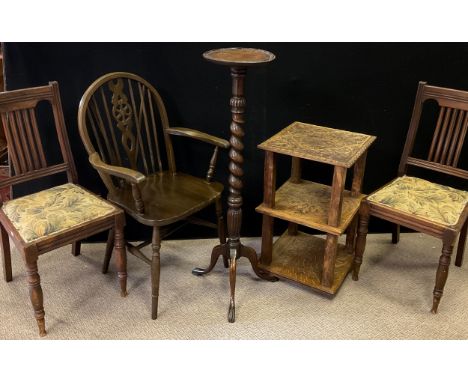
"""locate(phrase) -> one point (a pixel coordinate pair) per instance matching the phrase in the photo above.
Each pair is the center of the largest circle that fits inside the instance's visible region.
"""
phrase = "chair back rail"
(19, 117)
(449, 133)
(120, 115)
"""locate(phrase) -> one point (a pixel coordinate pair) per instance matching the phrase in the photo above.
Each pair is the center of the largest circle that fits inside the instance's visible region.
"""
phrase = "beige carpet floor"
(391, 300)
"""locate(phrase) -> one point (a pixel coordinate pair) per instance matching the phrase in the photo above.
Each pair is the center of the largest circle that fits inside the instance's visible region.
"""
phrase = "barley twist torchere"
(238, 59)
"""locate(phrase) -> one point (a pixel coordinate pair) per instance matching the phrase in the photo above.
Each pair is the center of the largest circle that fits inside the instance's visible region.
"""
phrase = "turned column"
(234, 214)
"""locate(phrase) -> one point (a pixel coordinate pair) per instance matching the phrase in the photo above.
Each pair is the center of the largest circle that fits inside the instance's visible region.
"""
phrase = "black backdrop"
(362, 87)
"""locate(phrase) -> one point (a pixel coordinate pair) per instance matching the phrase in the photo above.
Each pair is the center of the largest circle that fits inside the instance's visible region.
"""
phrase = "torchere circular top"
(239, 56)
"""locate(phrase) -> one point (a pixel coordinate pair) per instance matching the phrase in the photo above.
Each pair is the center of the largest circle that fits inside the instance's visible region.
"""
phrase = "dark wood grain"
(238, 59)
(234, 213)
(120, 118)
(461, 245)
(442, 274)
(108, 253)
(35, 290)
(4, 167)
(76, 248)
(443, 157)
(5, 242)
(450, 170)
(218, 251)
(178, 197)
(155, 271)
(120, 257)
(361, 239)
(198, 135)
(17, 110)
(395, 233)
(356, 189)
(212, 165)
(449, 133)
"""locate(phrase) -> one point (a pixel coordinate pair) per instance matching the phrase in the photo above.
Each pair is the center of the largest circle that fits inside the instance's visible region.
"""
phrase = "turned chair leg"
(361, 240)
(120, 258)
(221, 230)
(76, 248)
(35, 292)
(395, 233)
(155, 272)
(461, 245)
(109, 248)
(442, 273)
(7, 273)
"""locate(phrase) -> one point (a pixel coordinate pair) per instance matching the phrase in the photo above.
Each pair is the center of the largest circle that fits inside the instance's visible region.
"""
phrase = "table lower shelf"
(300, 258)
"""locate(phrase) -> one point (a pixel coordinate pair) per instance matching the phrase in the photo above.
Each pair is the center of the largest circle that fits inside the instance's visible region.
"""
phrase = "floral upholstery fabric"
(54, 210)
(430, 201)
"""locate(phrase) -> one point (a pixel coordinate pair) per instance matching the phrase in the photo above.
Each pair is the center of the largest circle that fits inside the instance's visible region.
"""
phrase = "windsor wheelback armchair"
(123, 107)
(424, 206)
(51, 218)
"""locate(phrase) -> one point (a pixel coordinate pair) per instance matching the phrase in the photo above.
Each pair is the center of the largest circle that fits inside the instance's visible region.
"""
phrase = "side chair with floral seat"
(416, 203)
(40, 222)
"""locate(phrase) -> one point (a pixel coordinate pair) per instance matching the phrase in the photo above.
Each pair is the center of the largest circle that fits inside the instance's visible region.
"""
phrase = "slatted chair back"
(449, 133)
(124, 118)
(18, 111)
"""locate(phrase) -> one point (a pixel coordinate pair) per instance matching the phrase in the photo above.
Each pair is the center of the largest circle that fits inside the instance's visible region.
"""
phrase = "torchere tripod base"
(224, 251)
(219, 250)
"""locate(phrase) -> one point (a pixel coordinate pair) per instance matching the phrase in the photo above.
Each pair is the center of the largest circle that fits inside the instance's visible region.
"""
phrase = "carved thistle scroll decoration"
(122, 112)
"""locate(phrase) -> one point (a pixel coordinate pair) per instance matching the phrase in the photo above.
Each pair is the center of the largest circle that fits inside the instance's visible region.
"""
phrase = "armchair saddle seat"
(55, 210)
(168, 197)
(434, 202)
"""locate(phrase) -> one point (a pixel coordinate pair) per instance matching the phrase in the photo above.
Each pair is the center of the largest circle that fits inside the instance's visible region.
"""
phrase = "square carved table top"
(319, 143)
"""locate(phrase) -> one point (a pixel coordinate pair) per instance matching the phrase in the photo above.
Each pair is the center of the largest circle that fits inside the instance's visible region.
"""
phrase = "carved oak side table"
(310, 260)
(238, 59)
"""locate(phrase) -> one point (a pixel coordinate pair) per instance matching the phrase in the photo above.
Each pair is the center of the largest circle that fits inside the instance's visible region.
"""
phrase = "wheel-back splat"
(123, 115)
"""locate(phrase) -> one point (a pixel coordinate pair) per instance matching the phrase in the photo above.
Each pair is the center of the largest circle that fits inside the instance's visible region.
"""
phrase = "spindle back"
(124, 118)
(18, 111)
(449, 133)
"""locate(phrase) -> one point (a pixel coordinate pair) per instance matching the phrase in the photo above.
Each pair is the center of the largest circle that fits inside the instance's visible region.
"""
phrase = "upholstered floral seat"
(431, 201)
(54, 210)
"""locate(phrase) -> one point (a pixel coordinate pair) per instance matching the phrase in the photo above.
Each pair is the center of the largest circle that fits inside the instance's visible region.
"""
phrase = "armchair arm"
(195, 134)
(134, 177)
(120, 172)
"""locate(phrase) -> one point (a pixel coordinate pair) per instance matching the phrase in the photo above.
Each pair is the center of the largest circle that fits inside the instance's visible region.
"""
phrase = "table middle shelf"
(307, 203)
